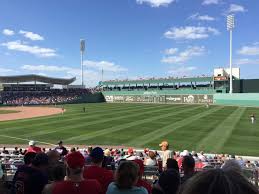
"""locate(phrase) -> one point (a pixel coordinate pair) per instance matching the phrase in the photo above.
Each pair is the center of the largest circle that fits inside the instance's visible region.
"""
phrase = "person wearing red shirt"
(95, 170)
(141, 182)
(33, 148)
(74, 181)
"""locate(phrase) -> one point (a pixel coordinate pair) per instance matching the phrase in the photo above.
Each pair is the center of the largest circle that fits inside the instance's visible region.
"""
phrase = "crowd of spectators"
(117, 171)
(53, 96)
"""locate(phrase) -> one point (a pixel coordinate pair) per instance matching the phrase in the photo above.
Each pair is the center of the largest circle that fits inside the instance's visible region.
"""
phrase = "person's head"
(58, 173)
(32, 143)
(216, 181)
(172, 164)
(164, 145)
(16, 148)
(232, 165)
(75, 162)
(140, 164)
(168, 183)
(89, 149)
(28, 158)
(107, 152)
(97, 156)
(126, 175)
(152, 155)
(54, 156)
(188, 164)
(41, 161)
(73, 149)
(60, 143)
(130, 151)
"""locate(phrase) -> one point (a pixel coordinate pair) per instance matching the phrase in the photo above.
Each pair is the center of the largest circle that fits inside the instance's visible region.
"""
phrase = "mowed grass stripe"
(69, 118)
(60, 118)
(118, 128)
(154, 135)
(113, 116)
(219, 136)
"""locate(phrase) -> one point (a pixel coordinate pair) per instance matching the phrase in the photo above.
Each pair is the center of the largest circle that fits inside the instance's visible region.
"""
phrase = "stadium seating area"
(53, 96)
(149, 162)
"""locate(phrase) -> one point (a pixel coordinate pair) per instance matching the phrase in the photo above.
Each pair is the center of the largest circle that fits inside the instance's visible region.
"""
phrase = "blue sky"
(127, 38)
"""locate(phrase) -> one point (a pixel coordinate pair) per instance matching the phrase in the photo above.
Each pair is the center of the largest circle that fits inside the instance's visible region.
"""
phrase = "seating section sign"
(170, 99)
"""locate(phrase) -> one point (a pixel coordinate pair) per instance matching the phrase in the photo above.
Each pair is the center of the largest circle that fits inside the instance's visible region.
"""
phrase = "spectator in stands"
(130, 155)
(188, 165)
(74, 181)
(33, 148)
(232, 165)
(168, 183)
(58, 174)
(125, 179)
(31, 179)
(108, 161)
(54, 163)
(217, 181)
(96, 171)
(151, 159)
(172, 164)
(141, 182)
(5, 151)
(166, 152)
(61, 149)
(16, 151)
(88, 158)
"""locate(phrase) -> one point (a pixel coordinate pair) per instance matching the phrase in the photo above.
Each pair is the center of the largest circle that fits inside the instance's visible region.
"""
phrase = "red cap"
(75, 160)
(140, 163)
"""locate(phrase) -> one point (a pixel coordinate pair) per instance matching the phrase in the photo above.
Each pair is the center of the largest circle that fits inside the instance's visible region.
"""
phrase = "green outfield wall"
(158, 96)
(237, 99)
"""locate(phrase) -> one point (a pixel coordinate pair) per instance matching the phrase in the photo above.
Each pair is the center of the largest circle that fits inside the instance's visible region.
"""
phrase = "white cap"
(32, 143)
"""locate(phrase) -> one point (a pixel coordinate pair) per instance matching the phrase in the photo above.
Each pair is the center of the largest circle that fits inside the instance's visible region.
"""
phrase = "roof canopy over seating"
(36, 78)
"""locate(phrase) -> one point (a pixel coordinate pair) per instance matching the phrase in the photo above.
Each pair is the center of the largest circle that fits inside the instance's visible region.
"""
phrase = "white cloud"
(5, 70)
(190, 33)
(46, 68)
(209, 2)
(155, 3)
(31, 35)
(182, 71)
(35, 50)
(234, 8)
(105, 65)
(185, 55)
(171, 51)
(8, 32)
(197, 16)
(249, 50)
(246, 61)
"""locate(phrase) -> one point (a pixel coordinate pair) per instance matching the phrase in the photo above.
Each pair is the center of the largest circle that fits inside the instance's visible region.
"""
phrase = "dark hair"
(172, 164)
(58, 172)
(41, 159)
(126, 174)
(219, 181)
(169, 181)
(188, 162)
(28, 157)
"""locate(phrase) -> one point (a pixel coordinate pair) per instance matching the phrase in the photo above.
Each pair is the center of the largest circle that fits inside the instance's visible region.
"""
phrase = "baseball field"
(216, 129)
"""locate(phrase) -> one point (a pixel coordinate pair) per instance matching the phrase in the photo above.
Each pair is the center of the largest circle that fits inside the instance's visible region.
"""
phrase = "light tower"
(230, 27)
(82, 49)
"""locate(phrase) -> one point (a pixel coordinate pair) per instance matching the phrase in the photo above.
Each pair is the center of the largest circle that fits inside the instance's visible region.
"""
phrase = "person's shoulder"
(139, 190)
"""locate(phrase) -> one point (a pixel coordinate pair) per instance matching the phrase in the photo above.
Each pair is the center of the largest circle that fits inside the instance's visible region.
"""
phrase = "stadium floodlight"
(82, 49)
(230, 27)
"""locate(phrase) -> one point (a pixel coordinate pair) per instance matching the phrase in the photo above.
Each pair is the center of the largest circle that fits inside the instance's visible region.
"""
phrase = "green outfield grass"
(216, 129)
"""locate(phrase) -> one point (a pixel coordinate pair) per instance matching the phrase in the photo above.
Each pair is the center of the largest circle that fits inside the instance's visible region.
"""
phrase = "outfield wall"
(237, 99)
(170, 97)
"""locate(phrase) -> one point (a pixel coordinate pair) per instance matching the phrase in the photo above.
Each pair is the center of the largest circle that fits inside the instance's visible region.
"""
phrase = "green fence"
(237, 99)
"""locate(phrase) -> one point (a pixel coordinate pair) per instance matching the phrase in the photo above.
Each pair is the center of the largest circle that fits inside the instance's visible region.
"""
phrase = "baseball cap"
(60, 142)
(164, 143)
(75, 160)
(32, 143)
(141, 166)
(97, 153)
